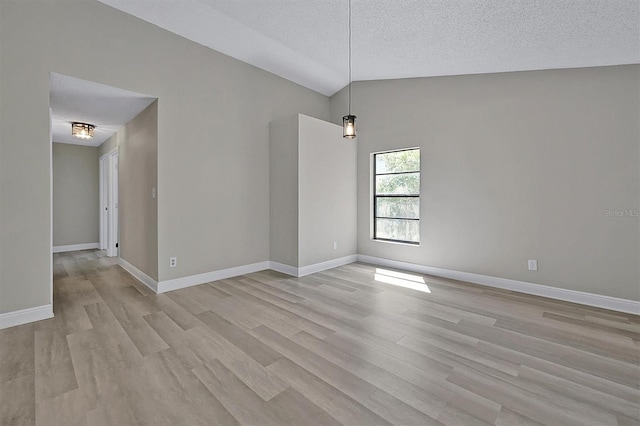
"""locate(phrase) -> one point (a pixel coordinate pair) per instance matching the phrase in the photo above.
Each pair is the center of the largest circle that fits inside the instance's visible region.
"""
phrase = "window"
(396, 196)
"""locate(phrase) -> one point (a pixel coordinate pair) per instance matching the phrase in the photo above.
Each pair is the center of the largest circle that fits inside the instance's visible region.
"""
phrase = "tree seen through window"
(397, 196)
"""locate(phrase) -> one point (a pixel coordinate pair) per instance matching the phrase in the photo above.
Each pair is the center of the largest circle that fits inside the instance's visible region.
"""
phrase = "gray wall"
(76, 191)
(515, 166)
(312, 191)
(213, 137)
(137, 144)
(327, 192)
(283, 191)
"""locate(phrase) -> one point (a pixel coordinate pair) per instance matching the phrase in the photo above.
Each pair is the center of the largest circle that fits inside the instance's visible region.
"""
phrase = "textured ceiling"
(106, 107)
(305, 41)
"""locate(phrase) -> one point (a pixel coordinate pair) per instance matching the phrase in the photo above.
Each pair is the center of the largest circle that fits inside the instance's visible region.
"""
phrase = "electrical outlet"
(533, 265)
(173, 262)
(335, 245)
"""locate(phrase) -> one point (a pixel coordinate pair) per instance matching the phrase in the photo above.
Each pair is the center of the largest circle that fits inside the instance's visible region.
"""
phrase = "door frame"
(104, 196)
(108, 164)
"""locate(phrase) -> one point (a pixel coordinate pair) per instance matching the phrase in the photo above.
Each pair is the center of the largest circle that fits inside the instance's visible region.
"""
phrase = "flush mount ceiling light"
(82, 130)
(349, 121)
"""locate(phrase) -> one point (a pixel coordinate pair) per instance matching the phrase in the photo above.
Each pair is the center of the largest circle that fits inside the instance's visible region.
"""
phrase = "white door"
(109, 204)
(104, 202)
(113, 230)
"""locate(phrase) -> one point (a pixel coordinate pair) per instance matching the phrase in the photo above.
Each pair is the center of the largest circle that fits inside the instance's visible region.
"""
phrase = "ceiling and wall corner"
(305, 41)
(108, 108)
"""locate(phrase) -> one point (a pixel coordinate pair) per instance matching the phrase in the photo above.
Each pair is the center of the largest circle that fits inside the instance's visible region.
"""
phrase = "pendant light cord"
(349, 57)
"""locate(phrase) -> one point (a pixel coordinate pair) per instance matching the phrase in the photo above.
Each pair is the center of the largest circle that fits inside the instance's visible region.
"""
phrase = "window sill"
(400, 243)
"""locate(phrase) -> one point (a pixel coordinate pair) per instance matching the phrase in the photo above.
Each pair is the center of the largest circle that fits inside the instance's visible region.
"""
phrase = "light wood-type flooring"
(346, 346)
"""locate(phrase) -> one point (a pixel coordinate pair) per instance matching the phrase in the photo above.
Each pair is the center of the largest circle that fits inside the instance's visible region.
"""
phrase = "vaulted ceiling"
(305, 41)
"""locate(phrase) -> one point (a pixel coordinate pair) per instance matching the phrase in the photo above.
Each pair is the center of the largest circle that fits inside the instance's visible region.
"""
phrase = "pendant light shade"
(82, 130)
(349, 120)
(349, 126)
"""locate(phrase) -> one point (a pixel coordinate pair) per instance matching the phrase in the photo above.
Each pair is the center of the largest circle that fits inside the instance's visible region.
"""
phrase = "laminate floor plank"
(175, 311)
(260, 286)
(630, 321)
(18, 402)
(233, 311)
(294, 409)
(114, 411)
(390, 386)
(606, 328)
(431, 380)
(193, 306)
(449, 313)
(456, 355)
(69, 408)
(402, 353)
(561, 388)
(329, 302)
(344, 278)
(528, 403)
(69, 317)
(344, 408)
(338, 347)
(54, 372)
(589, 342)
(562, 371)
(243, 340)
(249, 294)
(192, 351)
(313, 315)
(245, 368)
(452, 415)
(507, 417)
(17, 352)
(336, 376)
(76, 290)
(205, 295)
(170, 393)
(408, 326)
(601, 366)
(140, 333)
(245, 406)
(395, 411)
(330, 318)
(247, 307)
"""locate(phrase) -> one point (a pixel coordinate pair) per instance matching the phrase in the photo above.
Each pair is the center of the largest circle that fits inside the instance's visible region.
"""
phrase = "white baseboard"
(178, 283)
(75, 247)
(329, 264)
(590, 299)
(284, 269)
(312, 269)
(184, 282)
(139, 275)
(24, 316)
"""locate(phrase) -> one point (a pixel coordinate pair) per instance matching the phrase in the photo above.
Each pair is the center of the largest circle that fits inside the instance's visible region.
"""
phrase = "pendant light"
(82, 130)
(349, 121)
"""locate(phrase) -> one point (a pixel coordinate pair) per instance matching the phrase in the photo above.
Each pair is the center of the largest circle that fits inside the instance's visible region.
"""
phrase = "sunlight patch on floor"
(415, 282)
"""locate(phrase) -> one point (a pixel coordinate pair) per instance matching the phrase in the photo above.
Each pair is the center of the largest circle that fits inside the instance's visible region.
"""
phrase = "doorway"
(109, 203)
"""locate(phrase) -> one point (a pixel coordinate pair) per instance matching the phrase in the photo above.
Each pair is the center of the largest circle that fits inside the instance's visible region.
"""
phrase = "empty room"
(340, 212)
